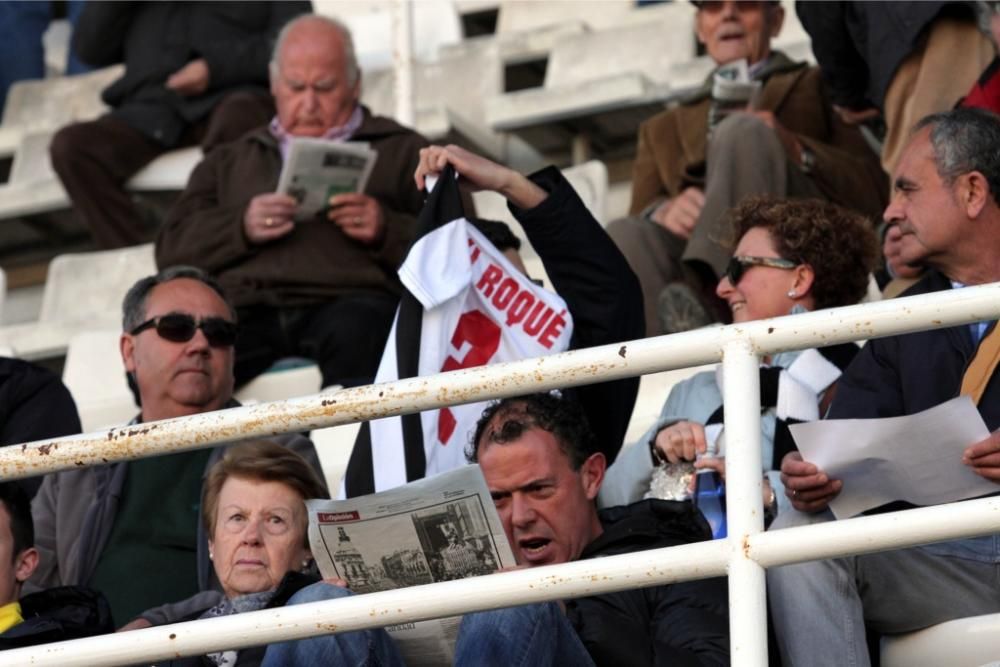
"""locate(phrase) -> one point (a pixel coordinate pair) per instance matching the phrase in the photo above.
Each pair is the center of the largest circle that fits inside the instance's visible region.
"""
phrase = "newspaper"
(732, 90)
(436, 529)
(316, 169)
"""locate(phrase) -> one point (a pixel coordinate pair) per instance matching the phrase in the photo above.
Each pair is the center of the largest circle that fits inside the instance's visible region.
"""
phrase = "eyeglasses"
(739, 264)
(180, 328)
(716, 6)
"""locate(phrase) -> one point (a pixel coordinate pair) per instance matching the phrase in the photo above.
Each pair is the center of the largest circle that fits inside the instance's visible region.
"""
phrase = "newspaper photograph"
(436, 529)
(317, 169)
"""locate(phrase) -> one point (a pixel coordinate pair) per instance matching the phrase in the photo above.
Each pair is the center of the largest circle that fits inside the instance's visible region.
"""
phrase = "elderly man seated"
(109, 527)
(324, 288)
(689, 169)
(195, 72)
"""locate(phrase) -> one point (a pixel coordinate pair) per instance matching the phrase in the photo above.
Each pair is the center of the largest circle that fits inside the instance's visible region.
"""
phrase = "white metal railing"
(743, 555)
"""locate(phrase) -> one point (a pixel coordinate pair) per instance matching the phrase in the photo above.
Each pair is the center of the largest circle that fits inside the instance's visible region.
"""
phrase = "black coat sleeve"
(603, 295)
(845, 71)
(34, 405)
(99, 34)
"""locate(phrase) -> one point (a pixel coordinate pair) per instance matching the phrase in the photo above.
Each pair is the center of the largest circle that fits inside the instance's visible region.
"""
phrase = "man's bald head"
(314, 76)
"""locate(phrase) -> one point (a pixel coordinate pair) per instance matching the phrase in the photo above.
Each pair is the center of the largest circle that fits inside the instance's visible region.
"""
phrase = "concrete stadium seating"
(966, 642)
(35, 110)
(600, 84)
(83, 291)
(451, 104)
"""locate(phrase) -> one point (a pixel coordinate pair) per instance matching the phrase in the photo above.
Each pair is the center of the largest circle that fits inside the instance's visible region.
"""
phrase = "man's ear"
(699, 32)
(775, 19)
(356, 89)
(126, 345)
(592, 474)
(973, 193)
(272, 78)
(25, 564)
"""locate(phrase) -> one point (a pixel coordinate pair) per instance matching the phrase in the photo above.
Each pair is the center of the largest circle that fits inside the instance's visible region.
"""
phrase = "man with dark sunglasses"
(132, 529)
(701, 157)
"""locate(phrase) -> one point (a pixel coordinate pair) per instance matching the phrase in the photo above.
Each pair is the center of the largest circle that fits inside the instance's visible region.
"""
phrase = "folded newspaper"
(436, 529)
(732, 90)
(317, 169)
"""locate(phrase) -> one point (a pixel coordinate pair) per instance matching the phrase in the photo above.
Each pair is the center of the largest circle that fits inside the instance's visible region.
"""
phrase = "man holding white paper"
(324, 288)
(945, 203)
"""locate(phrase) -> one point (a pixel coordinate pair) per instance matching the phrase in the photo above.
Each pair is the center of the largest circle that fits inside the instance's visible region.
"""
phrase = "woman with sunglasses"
(792, 256)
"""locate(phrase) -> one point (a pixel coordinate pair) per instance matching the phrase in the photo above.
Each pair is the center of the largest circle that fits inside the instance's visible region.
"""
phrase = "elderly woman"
(253, 508)
(792, 256)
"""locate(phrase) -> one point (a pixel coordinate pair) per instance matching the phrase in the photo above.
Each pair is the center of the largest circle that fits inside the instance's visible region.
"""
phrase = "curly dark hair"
(839, 244)
(508, 419)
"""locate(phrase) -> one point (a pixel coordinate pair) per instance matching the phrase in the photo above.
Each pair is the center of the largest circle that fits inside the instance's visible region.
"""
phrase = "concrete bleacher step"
(34, 112)
(965, 642)
(601, 83)
(82, 291)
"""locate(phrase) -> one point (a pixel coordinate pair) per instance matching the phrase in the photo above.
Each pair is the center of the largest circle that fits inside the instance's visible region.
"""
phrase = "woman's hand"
(481, 173)
(681, 441)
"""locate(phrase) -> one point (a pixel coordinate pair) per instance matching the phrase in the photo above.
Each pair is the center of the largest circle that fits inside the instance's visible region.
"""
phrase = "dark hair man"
(109, 527)
(543, 469)
(52, 615)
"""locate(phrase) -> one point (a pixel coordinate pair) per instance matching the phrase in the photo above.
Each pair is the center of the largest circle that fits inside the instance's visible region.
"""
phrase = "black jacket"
(901, 375)
(860, 45)
(59, 614)
(674, 624)
(603, 295)
(155, 39)
(34, 405)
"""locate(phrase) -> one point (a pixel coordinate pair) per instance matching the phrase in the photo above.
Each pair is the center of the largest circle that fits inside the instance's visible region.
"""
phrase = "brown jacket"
(673, 144)
(316, 261)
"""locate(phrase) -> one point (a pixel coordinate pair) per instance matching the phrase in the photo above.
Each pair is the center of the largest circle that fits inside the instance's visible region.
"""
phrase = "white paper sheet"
(916, 458)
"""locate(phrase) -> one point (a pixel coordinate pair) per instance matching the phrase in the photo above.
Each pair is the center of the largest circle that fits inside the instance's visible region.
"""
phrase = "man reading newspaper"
(543, 469)
(322, 287)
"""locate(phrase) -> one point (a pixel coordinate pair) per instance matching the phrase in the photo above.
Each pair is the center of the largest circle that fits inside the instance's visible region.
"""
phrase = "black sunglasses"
(180, 328)
(739, 264)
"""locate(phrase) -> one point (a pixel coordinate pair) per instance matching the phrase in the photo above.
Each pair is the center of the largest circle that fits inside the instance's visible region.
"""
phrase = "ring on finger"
(795, 493)
(269, 222)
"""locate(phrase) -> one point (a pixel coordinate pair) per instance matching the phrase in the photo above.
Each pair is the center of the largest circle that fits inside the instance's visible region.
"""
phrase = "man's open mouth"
(534, 545)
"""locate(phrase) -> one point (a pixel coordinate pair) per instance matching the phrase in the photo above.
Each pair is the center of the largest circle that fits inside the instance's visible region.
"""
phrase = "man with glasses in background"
(774, 133)
(132, 529)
